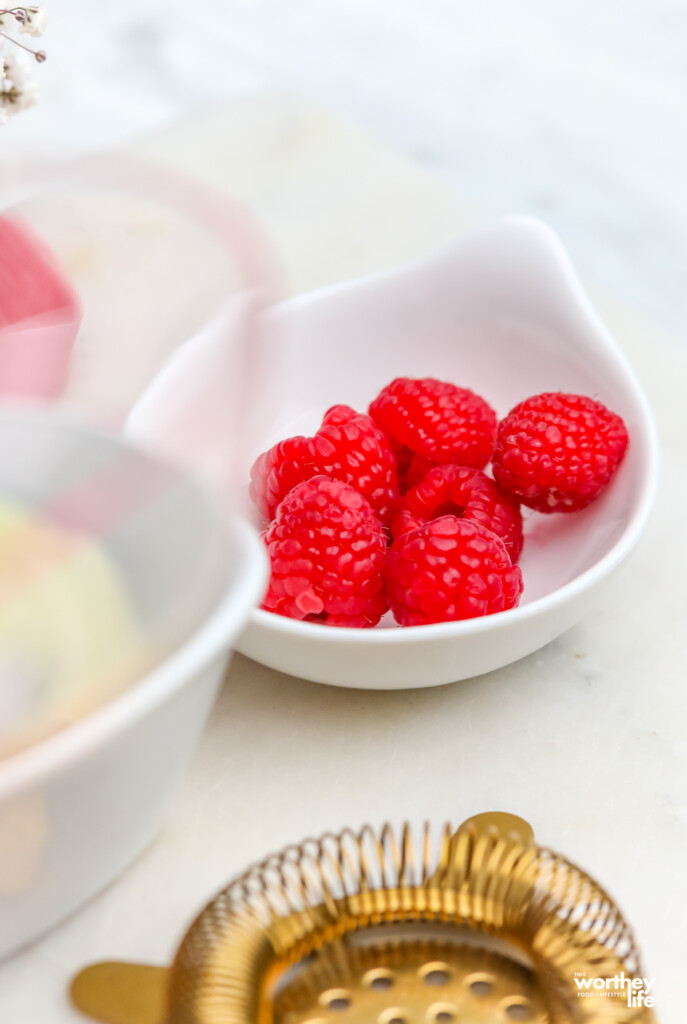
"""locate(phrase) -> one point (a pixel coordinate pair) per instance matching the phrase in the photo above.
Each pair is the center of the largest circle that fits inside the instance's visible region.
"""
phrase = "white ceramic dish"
(76, 808)
(501, 312)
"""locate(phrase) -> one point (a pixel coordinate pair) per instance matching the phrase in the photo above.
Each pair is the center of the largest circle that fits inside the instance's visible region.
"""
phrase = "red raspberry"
(437, 420)
(404, 458)
(337, 415)
(405, 463)
(449, 569)
(467, 494)
(417, 471)
(327, 550)
(557, 453)
(348, 446)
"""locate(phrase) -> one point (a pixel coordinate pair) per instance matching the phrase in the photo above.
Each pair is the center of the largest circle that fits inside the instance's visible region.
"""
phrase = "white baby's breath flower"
(35, 22)
(17, 61)
(27, 97)
(19, 68)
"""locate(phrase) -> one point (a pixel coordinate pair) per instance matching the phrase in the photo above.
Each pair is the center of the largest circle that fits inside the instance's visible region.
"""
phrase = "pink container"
(40, 316)
(154, 257)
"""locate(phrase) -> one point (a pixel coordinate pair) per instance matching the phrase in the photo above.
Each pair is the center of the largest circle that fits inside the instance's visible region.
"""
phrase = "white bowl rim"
(320, 633)
(76, 741)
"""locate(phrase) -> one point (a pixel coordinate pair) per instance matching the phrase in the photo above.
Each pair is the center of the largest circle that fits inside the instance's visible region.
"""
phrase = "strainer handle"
(120, 993)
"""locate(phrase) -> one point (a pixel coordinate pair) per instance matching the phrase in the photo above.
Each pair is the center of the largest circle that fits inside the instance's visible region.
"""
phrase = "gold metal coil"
(325, 915)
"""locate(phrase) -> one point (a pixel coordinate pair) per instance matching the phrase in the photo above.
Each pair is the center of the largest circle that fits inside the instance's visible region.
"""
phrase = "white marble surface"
(569, 113)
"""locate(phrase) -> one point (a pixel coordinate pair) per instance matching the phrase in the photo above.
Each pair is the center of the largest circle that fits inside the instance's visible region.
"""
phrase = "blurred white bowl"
(503, 313)
(76, 808)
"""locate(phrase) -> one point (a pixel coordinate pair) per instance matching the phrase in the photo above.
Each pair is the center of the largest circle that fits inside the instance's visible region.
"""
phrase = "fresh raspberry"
(467, 494)
(327, 550)
(337, 415)
(348, 446)
(437, 420)
(404, 458)
(557, 452)
(449, 569)
(416, 472)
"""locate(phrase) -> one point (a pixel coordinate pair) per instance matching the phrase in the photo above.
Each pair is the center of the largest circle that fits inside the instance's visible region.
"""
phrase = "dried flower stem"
(40, 55)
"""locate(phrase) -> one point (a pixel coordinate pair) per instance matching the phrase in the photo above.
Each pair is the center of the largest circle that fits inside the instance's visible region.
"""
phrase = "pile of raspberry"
(393, 510)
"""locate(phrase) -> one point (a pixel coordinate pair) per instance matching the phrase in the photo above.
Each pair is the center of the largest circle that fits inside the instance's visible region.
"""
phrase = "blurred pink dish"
(39, 316)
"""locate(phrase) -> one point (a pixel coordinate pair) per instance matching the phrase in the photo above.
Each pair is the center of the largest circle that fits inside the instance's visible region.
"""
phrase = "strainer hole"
(379, 979)
(336, 999)
(481, 987)
(442, 1013)
(436, 974)
(518, 1011)
(437, 978)
(394, 1015)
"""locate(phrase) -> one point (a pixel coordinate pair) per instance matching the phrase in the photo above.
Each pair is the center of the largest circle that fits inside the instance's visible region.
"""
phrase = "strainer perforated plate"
(377, 928)
(413, 978)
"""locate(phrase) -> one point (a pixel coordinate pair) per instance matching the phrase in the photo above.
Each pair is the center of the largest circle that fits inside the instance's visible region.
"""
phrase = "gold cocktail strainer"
(380, 928)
